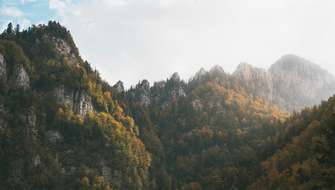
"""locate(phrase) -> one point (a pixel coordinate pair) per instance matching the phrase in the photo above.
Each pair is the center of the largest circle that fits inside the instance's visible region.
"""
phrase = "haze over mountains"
(63, 127)
(291, 82)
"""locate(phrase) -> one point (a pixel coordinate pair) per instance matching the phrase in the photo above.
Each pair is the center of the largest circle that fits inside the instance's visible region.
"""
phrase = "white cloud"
(135, 39)
(11, 12)
(27, 1)
(61, 6)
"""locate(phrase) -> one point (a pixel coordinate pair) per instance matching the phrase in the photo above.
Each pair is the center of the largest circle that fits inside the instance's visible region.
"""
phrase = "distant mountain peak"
(175, 77)
(300, 68)
(292, 82)
(199, 75)
(244, 66)
(119, 87)
(246, 71)
(216, 70)
(294, 63)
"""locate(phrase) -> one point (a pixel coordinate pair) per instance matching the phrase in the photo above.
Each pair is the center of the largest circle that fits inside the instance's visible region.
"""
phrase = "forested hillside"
(60, 127)
(63, 127)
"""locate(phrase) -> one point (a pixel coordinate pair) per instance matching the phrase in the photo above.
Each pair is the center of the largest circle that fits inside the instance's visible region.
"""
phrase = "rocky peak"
(159, 85)
(216, 70)
(257, 81)
(246, 71)
(292, 82)
(144, 84)
(142, 93)
(118, 87)
(175, 77)
(200, 74)
(299, 67)
(244, 68)
(299, 83)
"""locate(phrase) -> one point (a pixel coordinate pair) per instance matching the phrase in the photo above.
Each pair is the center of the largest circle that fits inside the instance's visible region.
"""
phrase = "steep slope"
(299, 83)
(306, 157)
(63, 127)
(206, 133)
(59, 125)
(292, 83)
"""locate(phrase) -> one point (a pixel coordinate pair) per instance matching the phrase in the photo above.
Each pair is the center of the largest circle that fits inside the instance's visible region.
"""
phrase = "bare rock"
(258, 80)
(21, 78)
(54, 136)
(37, 161)
(82, 103)
(3, 71)
(106, 171)
(292, 82)
(118, 87)
(77, 100)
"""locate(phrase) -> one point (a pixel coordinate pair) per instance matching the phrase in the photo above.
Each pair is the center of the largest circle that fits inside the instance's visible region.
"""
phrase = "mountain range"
(63, 127)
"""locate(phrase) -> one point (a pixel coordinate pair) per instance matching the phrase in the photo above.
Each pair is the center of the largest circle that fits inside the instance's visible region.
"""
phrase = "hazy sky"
(130, 40)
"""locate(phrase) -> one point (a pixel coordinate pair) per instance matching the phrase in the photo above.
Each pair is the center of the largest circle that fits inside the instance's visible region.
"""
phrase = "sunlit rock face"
(77, 100)
(3, 72)
(299, 83)
(292, 82)
(21, 78)
(256, 79)
(118, 87)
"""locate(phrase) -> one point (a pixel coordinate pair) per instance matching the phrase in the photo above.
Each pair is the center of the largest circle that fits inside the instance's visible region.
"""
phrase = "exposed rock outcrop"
(199, 75)
(3, 122)
(118, 87)
(21, 78)
(77, 100)
(142, 93)
(255, 79)
(3, 71)
(291, 83)
(175, 77)
(53, 136)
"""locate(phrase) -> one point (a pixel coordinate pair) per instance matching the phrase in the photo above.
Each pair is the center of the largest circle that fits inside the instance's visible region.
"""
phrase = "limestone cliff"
(292, 82)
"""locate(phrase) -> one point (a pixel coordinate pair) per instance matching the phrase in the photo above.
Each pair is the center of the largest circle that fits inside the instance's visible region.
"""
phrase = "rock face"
(77, 100)
(255, 79)
(299, 83)
(164, 92)
(3, 72)
(144, 95)
(53, 136)
(3, 122)
(118, 87)
(292, 82)
(21, 78)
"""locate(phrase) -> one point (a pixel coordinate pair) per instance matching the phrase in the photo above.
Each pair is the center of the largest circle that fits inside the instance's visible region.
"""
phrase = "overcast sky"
(130, 40)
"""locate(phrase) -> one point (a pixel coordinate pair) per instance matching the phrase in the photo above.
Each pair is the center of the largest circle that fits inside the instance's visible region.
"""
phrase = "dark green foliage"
(47, 144)
(69, 129)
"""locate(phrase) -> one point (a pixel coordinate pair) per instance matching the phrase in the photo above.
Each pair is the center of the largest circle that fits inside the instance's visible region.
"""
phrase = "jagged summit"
(248, 72)
(216, 70)
(243, 66)
(297, 65)
(291, 82)
(175, 77)
(119, 87)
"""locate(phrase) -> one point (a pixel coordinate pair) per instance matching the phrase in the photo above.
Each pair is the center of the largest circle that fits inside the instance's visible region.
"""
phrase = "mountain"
(209, 120)
(292, 82)
(60, 128)
(63, 127)
(305, 159)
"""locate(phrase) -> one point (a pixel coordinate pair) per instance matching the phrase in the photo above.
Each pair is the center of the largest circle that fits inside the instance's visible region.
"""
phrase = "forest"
(63, 127)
